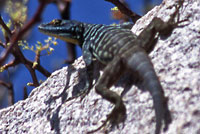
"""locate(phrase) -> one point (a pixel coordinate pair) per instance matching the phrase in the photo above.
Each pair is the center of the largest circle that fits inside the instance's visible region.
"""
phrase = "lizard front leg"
(157, 26)
(87, 57)
(111, 74)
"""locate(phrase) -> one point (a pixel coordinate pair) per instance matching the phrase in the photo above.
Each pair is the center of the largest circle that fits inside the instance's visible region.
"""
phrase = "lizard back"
(107, 41)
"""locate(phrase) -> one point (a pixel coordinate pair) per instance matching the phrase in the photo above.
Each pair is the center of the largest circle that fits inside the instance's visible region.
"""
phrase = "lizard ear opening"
(79, 31)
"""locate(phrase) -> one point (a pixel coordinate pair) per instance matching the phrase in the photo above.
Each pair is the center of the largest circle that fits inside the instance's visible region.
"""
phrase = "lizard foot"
(118, 115)
(163, 115)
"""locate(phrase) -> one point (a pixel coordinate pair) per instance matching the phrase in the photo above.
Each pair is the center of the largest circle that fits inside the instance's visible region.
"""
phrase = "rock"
(176, 60)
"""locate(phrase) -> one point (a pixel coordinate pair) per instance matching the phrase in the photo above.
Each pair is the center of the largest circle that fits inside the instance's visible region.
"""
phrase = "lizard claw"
(118, 115)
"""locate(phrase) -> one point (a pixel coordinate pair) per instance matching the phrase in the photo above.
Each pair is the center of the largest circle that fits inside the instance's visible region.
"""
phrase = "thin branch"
(37, 58)
(9, 86)
(11, 95)
(43, 71)
(25, 93)
(29, 64)
(5, 26)
(33, 75)
(21, 32)
(38, 67)
(134, 17)
(1, 44)
(11, 64)
(5, 84)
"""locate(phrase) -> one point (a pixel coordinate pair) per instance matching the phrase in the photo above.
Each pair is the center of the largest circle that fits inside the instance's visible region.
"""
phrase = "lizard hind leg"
(111, 74)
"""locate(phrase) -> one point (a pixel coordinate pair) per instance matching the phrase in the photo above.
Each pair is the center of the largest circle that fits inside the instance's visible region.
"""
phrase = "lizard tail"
(142, 67)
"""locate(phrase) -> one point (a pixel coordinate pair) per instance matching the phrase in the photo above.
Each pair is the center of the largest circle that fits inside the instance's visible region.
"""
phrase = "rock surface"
(176, 60)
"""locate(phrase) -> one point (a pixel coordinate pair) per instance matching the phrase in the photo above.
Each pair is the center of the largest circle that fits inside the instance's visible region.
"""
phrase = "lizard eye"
(56, 22)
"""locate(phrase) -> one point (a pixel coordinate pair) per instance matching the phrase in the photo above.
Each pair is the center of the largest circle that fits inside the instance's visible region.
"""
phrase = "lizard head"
(67, 30)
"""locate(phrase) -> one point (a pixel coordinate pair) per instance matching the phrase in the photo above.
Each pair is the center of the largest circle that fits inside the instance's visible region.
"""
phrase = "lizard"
(120, 51)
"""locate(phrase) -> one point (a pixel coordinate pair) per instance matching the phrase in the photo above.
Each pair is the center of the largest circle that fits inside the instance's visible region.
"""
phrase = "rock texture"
(177, 63)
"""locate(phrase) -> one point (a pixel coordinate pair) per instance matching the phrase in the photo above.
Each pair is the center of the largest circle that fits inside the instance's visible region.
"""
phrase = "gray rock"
(176, 60)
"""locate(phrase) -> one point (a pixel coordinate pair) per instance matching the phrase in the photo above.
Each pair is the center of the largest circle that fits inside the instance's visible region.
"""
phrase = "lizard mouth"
(58, 34)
